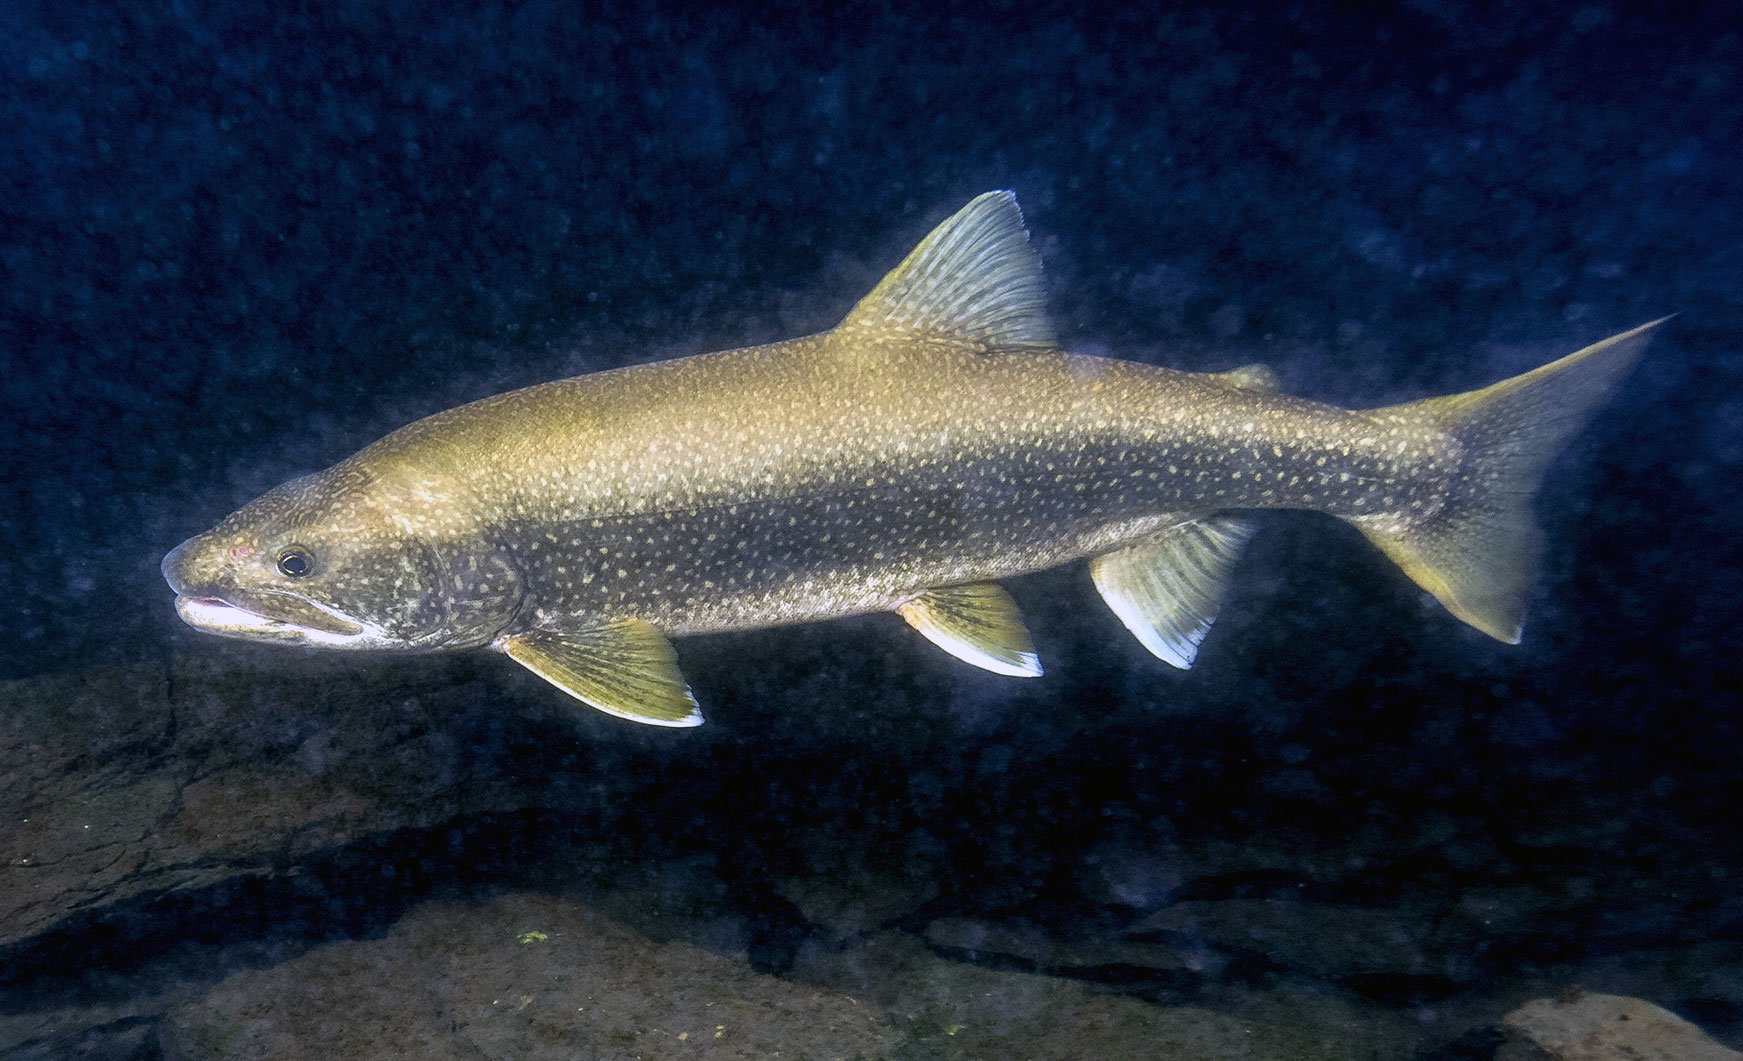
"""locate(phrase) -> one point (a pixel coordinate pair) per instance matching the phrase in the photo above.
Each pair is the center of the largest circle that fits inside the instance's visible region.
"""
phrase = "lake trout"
(934, 442)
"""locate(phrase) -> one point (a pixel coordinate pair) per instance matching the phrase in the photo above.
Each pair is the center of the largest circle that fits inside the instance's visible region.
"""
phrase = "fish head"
(345, 559)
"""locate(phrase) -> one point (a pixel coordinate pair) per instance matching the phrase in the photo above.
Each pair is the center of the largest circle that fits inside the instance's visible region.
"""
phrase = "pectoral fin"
(1168, 589)
(977, 623)
(624, 668)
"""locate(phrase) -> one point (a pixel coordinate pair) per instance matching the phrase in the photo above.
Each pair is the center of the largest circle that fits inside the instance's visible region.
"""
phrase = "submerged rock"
(850, 905)
(522, 976)
(533, 975)
(1594, 1027)
(1324, 939)
(284, 812)
(127, 785)
(1181, 965)
(954, 1009)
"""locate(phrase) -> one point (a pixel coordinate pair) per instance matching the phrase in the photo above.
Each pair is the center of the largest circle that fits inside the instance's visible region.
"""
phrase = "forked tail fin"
(1479, 552)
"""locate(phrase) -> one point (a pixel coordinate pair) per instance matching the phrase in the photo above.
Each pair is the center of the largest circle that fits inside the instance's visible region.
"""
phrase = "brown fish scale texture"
(810, 478)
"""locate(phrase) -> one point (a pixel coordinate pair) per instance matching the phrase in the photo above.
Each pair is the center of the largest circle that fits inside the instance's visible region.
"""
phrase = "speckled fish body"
(933, 443)
(833, 476)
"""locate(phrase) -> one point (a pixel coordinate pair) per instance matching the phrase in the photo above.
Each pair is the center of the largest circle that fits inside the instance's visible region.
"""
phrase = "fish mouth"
(205, 602)
(314, 624)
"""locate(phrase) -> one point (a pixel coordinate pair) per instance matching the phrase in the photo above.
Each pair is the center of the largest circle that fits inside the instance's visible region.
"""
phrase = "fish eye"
(294, 561)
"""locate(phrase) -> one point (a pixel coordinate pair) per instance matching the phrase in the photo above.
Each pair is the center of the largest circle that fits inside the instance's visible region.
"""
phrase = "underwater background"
(240, 241)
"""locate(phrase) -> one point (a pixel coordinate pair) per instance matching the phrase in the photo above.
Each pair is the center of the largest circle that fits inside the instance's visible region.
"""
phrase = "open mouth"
(217, 616)
(207, 601)
(221, 617)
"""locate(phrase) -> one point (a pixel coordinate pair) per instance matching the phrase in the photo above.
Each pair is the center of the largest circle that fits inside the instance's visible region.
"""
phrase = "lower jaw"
(214, 616)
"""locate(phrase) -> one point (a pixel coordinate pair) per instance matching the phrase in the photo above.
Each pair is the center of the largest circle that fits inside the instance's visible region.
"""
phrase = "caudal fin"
(1479, 552)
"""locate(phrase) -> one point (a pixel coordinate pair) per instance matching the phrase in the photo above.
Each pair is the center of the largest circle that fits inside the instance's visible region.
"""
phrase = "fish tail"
(1479, 552)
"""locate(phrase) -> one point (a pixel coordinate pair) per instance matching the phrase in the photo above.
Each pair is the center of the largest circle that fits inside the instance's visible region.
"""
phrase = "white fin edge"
(977, 623)
(1167, 590)
(624, 668)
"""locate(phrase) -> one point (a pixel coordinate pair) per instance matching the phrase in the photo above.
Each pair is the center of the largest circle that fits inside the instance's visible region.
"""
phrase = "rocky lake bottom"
(215, 858)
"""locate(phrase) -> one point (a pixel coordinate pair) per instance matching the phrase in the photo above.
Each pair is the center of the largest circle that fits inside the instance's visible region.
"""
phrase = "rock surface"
(1595, 1027)
(218, 832)
(528, 975)
(1325, 939)
(130, 783)
(520, 976)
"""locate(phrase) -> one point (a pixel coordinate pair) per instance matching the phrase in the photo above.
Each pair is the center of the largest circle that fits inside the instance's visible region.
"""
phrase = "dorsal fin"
(1261, 378)
(974, 277)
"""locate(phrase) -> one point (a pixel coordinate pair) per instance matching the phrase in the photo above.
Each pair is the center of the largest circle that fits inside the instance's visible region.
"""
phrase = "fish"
(936, 441)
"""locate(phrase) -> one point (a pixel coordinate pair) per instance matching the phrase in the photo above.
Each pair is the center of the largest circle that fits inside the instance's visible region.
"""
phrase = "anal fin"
(1168, 589)
(977, 623)
(624, 668)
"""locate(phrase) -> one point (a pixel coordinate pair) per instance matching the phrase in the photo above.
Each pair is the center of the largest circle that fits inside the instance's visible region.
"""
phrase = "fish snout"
(189, 568)
(173, 564)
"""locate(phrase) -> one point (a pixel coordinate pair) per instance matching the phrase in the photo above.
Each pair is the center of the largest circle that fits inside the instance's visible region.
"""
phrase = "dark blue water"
(240, 241)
